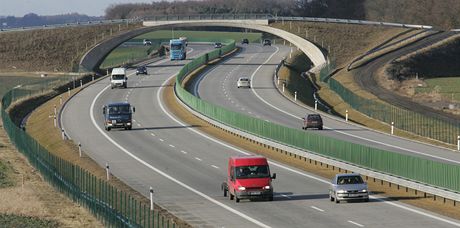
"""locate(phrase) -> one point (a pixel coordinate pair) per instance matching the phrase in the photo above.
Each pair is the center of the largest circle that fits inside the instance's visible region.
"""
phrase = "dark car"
(312, 121)
(245, 41)
(141, 70)
(217, 45)
(267, 43)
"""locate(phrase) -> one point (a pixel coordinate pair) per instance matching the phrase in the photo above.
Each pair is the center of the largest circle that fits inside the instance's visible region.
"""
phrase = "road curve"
(185, 167)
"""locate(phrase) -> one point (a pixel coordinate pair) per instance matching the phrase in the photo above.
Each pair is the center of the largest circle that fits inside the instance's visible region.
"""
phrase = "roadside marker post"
(316, 104)
(55, 110)
(62, 134)
(283, 86)
(107, 171)
(60, 99)
(295, 96)
(392, 127)
(68, 91)
(151, 198)
(79, 148)
(458, 143)
(81, 83)
(346, 115)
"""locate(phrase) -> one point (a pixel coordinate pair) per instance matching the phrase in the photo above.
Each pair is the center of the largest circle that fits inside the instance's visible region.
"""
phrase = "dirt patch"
(392, 191)
(30, 200)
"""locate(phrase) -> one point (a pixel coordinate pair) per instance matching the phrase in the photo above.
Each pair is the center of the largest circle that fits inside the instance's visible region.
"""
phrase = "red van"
(248, 177)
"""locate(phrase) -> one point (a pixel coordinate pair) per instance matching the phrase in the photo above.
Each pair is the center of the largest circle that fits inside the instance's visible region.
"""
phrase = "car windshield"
(176, 46)
(342, 180)
(122, 109)
(244, 79)
(118, 77)
(258, 171)
(313, 117)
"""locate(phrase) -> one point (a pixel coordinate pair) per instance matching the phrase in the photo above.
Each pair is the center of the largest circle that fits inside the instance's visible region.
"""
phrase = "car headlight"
(267, 187)
(128, 123)
(364, 190)
(341, 191)
(241, 188)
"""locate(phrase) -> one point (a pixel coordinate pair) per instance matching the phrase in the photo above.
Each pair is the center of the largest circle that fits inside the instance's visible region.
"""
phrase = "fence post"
(316, 104)
(392, 127)
(107, 171)
(151, 198)
(346, 115)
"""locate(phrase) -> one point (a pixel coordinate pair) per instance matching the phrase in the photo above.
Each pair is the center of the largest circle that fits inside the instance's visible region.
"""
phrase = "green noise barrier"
(434, 173)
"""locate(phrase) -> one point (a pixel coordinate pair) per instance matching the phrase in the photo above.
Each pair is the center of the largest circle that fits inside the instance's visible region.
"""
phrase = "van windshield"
(119, 109)
(258, 171)
(118, 77)
(176, 46)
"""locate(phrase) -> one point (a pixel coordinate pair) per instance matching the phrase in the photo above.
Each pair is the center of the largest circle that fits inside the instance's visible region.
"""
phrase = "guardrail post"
(151, 198)
(392, 127)
(346, 115)
(107, 171)
(316, 104)
(295, 96)
(79, 148)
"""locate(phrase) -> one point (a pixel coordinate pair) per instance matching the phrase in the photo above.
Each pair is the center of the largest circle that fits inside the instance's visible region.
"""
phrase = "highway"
(186, 167)
(263, 101)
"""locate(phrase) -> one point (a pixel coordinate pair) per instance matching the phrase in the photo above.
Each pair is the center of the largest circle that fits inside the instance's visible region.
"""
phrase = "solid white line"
(318, 209)
(165, 174)
(355, 223)
(215, 166)
(199, 159)
(285, 196)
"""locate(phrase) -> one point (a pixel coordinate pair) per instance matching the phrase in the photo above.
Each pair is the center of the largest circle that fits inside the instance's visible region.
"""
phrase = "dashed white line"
(199, 159)
(318, 209)
(285, 196)
(162, 140)
(214, 166)
(152, 134)
(184, 152)
(355, 223)
(171, 146)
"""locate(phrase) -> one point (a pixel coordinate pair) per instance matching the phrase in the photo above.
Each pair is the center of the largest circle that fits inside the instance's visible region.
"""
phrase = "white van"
(118, 78)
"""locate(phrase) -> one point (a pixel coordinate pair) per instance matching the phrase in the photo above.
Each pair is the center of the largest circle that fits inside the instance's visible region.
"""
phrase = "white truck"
(118, 78)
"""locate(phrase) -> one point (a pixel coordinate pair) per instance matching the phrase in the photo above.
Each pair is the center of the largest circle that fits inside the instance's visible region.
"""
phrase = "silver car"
(348, 187)
(243, 82)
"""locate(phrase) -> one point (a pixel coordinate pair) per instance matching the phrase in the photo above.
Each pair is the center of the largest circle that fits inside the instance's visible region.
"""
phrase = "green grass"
(125, 54)
(448, 87)
(200, 35)
(25, 221)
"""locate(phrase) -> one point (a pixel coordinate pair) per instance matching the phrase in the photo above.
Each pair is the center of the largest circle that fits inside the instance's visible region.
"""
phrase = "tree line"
(442, 14)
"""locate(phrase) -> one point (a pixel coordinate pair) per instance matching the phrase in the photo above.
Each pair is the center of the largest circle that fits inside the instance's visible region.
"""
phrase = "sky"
(19, 8)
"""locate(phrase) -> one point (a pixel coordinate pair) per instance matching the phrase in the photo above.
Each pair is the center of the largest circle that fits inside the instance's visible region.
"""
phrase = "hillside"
(48, 50)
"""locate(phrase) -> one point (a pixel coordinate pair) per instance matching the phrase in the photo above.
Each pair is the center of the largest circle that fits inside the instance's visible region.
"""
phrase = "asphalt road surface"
(185, 167)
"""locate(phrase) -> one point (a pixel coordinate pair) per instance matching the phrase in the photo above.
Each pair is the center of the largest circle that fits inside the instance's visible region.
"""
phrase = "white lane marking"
(199, 159)
(171, 146)
(184, 152)
(139, 125)
(134, 120)
(215, 166)
(93, 120)
(318, 209)
(288, 168)
(355, 223)
(152, 134)
(162, 140)
(341, 132)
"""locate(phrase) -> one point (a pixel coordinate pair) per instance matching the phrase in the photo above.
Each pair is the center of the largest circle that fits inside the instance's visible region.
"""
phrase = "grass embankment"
(41, 128)
(393, 192)
(27, 200)
(50, 50)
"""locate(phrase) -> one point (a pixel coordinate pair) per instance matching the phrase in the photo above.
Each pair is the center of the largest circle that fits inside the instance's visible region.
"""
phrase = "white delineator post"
(151, 198)
(392, 127)
(458, 142)
(295, 96)
(55, 121)
(283, 87)
(63, 134)
(107, 171)
(81, 83)
(79, 148)
(346, 115)
(316, 104)
(60, 99)
(68, 91)
(55, 110)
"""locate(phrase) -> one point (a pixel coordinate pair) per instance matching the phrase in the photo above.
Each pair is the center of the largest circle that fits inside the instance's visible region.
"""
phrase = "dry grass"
(393, 192)
(32, 196)
(51, 50)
